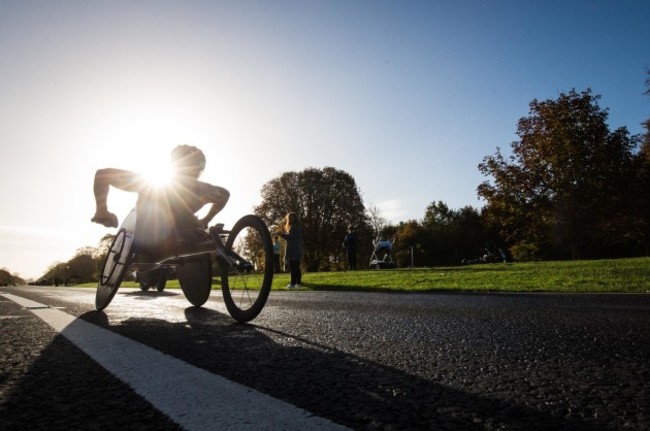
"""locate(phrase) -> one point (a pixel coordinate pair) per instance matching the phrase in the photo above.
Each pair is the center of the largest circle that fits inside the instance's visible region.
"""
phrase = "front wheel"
(246, 284)
(118, 260)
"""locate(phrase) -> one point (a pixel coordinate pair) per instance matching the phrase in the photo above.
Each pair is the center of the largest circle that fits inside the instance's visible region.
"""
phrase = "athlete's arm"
(217, 196)
(118, 178)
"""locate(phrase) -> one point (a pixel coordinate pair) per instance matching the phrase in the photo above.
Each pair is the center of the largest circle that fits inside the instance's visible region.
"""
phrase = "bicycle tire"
(144, 280)
(245, 292)
(117, 261)
(195, 278)
(162, 282)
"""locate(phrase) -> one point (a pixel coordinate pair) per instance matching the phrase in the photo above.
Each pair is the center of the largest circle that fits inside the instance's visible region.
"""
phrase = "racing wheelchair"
(244, 255)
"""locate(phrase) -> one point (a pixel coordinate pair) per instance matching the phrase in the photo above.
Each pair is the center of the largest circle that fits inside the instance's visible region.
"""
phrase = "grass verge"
(620, 275)
(585, 276)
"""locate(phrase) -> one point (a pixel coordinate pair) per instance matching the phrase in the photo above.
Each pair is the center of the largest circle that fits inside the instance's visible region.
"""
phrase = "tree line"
(83, 267)
(9, 279)
(568, 188)
(571, 188)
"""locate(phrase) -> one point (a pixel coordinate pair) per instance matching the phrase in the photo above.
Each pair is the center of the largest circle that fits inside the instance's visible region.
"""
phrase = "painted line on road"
(192, 397)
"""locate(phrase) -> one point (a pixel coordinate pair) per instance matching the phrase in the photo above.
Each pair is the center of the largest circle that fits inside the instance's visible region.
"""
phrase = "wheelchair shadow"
(57, 386)
(343, 387)
(150, 294)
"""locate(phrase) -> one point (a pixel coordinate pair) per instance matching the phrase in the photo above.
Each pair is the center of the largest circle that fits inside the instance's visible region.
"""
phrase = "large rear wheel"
(246, 285)
(117, 262)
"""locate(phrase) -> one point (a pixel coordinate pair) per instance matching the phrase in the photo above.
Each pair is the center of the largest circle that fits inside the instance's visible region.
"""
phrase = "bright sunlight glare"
(158, 174)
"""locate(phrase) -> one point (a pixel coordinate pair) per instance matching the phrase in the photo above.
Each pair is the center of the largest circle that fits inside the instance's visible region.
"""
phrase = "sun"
(158, 174)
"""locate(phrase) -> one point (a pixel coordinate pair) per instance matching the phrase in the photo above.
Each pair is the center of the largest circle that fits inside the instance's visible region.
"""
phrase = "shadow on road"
(64, 389)
(345, 388)
(58, 387)
(150, 294)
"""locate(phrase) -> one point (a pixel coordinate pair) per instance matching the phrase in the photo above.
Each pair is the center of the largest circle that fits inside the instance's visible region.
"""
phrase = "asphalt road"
(365, 361)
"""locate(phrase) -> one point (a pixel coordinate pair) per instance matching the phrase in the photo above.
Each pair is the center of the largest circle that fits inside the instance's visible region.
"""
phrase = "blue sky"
(406, 96)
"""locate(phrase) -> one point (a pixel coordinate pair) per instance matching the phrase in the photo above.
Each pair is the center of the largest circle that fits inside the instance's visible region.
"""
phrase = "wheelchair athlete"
(162, 211)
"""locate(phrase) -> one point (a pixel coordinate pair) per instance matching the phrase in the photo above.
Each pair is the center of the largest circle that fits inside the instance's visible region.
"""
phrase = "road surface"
(324, 360)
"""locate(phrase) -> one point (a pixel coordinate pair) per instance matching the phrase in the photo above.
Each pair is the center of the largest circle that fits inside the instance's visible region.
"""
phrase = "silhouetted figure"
(350, 245)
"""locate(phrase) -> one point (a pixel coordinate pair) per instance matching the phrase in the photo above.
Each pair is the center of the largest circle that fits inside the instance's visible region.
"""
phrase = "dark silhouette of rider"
(163, 210)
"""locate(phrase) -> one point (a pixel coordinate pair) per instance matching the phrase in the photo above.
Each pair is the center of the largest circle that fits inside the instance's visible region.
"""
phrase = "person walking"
(293, 235)
(350, 245)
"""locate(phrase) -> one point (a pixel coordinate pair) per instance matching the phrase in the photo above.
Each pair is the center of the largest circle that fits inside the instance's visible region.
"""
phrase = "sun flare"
(158, 174)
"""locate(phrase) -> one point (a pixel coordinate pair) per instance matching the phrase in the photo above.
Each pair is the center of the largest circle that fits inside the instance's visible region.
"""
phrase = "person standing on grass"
(293, 235)
(350, 245)
(276, 254)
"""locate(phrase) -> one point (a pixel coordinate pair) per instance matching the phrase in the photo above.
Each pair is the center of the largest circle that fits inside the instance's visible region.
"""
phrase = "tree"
(5, 277)
(645, 145)
(438, 215)
(412, 247)
(326, 200)
(640, 194)
(57, 274)
(452, 235)
(82, 268)
(376, 221)
(564, 182)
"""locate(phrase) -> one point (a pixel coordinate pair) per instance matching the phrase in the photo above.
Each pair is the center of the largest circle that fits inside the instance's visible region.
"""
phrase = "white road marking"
(191, 396)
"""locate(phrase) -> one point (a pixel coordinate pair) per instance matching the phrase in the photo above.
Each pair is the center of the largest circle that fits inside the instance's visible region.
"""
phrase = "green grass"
(621, 275)
(616, 275)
